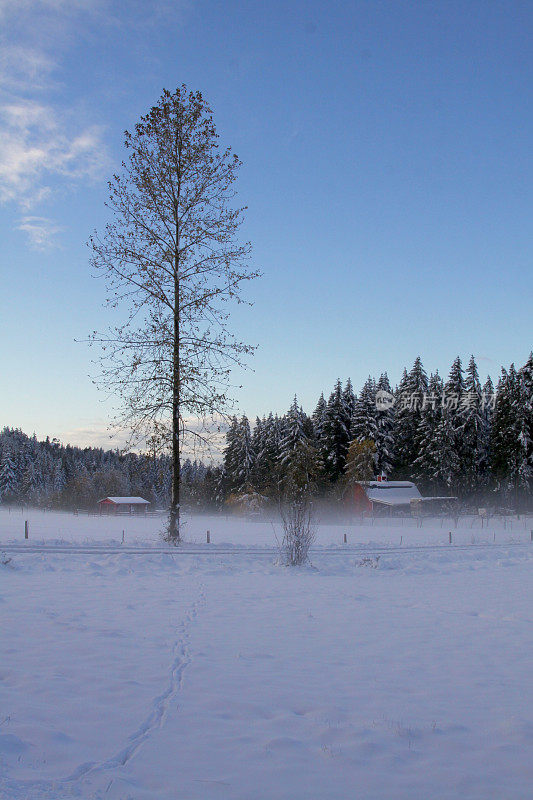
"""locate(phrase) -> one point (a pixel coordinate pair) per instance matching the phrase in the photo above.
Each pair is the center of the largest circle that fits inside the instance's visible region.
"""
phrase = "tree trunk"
(174, 516)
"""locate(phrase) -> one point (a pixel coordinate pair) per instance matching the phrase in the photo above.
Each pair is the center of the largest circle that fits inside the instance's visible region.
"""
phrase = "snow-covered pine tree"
(454, 391)
(426, 464)
(410, 396)
(210, 487)
(293, 431)
(363, 422)
(455, 385)
(317, 417)
(308, 427)
(299, 460)
(231, 456)
(238, 455)
(258, 435)
(29, 483)
(46, 472)
(245, 452)
(348, 399)
(9, 483)
(400, 430)
(525, 412)
(335, 436)
(505, 446)
(473, 434)
(384, 436)
(268, 457)
(453, 422)
(448, 466)
(489, 398)
(258, 445)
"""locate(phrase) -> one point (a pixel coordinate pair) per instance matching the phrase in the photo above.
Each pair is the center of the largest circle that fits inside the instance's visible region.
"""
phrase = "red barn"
(383, 495)
(123, 505)
(356, 499)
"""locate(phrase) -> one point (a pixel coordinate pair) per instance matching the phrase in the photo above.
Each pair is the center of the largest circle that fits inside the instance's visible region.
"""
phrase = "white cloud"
(18, 7)
(38, 147)
(33, 36)
(43, 147)
(99, 433)
(24, 68)
(36, 142)
(40, 232)
(94, 434)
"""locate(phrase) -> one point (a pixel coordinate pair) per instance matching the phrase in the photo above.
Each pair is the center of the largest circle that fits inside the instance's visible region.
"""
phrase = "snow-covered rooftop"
(392, 493)
(390, 484)
(126, 500)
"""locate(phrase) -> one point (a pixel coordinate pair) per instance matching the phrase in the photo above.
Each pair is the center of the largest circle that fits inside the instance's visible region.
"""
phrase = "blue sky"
(387, 171)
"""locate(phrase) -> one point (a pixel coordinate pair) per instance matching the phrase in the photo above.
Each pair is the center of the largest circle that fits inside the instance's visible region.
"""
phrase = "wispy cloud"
(24, 68)
(38, 145)
(41, 232)
(44, 148)
(94, 434)
(18, 7)
(208, 446)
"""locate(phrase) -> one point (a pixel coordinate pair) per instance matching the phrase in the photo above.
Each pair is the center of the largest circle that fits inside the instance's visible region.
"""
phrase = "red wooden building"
(123, 505)
(388, 496)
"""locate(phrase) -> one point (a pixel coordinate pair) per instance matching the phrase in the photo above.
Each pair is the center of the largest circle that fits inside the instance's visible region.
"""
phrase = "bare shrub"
(369, 562)
(298, 533)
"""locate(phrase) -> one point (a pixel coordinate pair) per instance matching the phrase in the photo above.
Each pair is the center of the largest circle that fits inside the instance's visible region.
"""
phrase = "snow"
(385, 484)
(55, 526)
(150, 673)
(393, 493)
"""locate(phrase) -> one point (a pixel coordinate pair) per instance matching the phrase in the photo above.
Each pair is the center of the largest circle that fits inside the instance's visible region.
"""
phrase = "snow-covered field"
(83, 528)
(210, 672)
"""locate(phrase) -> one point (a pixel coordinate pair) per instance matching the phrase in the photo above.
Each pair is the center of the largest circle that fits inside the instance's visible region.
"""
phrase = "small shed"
(123, 505)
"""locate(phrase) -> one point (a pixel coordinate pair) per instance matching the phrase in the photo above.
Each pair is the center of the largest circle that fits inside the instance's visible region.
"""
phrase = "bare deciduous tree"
(171, 256)
(298, 531)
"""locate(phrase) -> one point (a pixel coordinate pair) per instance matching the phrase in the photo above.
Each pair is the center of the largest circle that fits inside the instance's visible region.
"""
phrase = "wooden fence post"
(450, 536)
(208, 537)
(26, 529)
(345, 539)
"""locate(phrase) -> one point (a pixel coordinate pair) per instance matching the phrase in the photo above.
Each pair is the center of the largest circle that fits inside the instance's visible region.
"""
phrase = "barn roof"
(390, 484)
(392, 493)
(119, 501)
